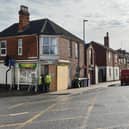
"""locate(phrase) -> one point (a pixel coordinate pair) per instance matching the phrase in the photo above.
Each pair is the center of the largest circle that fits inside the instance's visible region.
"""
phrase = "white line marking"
(16, 105)
(17, 114)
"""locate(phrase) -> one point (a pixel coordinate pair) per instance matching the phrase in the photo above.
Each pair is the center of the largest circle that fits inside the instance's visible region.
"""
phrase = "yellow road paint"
(36, 102)
(35, 117)
(90, 108)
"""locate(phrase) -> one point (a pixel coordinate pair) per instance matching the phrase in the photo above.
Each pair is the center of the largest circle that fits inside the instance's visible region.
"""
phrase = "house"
(40, 47)
(123, 56)
(102, 62)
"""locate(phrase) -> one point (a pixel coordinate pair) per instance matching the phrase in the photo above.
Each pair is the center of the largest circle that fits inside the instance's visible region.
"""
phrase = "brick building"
(41, 47)
(123, 56)
(102, 62)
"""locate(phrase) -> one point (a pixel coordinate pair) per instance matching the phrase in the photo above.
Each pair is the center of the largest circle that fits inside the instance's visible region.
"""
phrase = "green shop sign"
(28, 66)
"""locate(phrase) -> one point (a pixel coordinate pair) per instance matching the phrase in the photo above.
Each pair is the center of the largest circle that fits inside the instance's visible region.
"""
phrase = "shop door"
(62, 77)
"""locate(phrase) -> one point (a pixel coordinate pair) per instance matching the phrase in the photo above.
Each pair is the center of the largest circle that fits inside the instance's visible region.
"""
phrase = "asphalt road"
(103, 108)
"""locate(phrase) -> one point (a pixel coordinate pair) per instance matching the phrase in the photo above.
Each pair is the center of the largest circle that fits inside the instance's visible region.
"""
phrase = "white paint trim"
(63, 61)
(33, 57)
(96, 75)
(42, 36)
(21, 36)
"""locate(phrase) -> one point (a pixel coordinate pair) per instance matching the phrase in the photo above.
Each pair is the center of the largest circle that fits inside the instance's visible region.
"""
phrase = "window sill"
(3, 55)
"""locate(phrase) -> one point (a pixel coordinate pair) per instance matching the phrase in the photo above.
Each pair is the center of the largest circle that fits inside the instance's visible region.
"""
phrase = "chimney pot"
(106, 40)
(23, 17)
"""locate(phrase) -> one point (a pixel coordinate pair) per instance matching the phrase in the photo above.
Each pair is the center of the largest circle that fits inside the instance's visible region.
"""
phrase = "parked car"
(124, 77)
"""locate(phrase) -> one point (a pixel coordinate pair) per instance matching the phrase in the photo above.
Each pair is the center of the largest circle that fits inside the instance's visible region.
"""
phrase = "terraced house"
(102, 62)
(40, 47)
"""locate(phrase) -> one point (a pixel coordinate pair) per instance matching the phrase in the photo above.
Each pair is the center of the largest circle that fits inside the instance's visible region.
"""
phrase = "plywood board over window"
(62, 77)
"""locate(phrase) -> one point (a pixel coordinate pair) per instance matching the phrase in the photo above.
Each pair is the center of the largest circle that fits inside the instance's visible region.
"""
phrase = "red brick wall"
(64, 54)
(29, 47)
(63, 45)
(81, 59)
(100, 55)
(53, 73)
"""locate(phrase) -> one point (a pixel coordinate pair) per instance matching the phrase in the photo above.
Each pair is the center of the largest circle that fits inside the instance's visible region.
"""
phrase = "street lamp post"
(84, 30)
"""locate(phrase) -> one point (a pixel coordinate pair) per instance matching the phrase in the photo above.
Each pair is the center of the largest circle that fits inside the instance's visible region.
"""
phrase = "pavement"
(63, 92)
(85, 89)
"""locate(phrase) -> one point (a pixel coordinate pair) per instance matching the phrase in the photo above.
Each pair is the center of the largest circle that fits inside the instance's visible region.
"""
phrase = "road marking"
(16, 105)
(29, 121)
(90, 108)
(125, 126)
(14, 114)
(10, 125)
(17, 114)
(68, 118)
(34, 102)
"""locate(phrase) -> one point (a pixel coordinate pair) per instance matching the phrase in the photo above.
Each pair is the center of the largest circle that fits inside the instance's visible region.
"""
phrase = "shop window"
(45, 69)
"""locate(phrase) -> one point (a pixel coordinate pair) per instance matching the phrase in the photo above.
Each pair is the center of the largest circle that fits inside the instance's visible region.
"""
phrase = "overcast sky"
(103, 16)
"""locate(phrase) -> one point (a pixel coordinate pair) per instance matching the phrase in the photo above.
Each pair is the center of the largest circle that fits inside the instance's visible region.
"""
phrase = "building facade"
(40, 47)
(101, 62)
(123, 56)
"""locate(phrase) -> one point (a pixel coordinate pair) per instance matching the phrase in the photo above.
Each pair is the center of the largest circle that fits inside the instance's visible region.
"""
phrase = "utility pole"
(84, 38)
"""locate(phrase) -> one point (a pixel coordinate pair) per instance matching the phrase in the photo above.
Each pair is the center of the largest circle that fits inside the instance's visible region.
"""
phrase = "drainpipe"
(38, 58)
(78, 57)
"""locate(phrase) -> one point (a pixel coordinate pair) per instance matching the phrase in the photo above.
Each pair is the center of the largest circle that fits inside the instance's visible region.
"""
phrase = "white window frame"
(3, 41)
(116, 57)
(76, 50)
(20, 46)
(48, 45)
(109, 55)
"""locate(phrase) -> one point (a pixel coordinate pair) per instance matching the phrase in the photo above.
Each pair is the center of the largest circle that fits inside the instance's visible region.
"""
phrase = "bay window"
(49, 46)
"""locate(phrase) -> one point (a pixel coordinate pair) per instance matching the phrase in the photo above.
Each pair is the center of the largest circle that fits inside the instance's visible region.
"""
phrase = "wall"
(3, 70)
(29, 47)
(82, 59)
(53, 73)
(96, 74)
(64, 54)
(116, 73)
(102, 74)
(100, 55)
(109, 73)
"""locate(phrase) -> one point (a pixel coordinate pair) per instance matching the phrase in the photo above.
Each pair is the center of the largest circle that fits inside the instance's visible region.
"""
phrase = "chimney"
(23, 17)
(106, 40)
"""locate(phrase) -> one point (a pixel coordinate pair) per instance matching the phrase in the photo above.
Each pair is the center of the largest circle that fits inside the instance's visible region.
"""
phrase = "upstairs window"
(3, 48)
(20, 47)
(76, 50)
(116, 58)
(70, 49)
(91, 56)
(49, 46)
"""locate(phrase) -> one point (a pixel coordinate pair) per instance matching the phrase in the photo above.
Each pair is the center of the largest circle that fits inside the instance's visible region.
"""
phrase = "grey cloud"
(102, 15)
